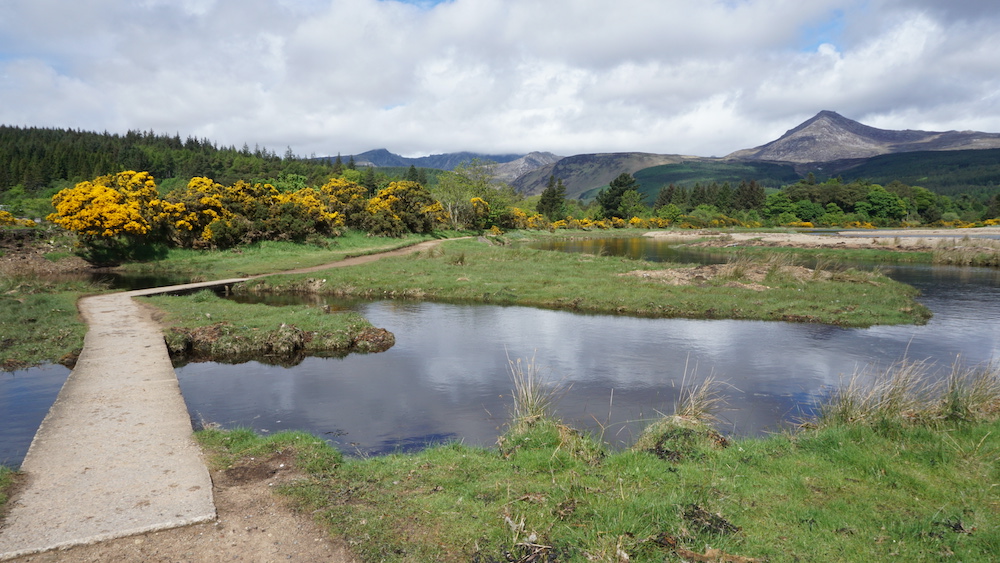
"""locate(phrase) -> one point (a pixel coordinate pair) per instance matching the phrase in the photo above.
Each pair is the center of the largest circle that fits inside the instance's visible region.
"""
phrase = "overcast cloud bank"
(497, 76)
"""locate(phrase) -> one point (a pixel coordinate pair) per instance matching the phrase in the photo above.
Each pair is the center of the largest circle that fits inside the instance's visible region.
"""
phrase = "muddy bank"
(910, 240)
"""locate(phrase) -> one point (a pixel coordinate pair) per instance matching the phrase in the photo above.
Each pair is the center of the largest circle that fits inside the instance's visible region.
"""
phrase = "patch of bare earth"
(253, 524)
(27, 257)
(739, 275)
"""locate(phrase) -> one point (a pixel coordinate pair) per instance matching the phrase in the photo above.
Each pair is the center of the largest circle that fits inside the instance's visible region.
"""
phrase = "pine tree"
(749, 195)
(553, 201)
(411, 174)
(610, 198)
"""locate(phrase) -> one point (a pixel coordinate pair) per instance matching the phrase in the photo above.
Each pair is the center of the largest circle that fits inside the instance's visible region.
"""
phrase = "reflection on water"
(25, 398)
(447, 377)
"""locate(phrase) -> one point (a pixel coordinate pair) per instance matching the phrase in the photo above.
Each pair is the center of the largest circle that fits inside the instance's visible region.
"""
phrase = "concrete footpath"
(115, 455)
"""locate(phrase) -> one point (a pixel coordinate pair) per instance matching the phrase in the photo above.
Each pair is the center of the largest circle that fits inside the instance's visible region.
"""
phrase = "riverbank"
(205, 327)
(909, 240)
(892, 471)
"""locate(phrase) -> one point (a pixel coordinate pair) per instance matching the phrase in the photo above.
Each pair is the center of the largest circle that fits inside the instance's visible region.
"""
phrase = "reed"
(911, 391)
(968, 251)
(534, 396)
(971, 394)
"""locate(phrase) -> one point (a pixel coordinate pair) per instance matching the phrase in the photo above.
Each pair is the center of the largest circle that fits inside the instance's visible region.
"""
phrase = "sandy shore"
(900, 239)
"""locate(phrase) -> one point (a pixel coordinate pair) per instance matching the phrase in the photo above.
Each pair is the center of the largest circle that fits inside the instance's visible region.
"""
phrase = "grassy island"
(482, 271)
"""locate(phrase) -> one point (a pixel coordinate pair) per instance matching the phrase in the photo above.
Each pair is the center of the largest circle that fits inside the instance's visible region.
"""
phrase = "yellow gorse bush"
(7, 219)
(126, 203)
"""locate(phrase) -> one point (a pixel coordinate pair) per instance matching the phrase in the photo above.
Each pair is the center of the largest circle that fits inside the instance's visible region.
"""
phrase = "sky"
(419, 77)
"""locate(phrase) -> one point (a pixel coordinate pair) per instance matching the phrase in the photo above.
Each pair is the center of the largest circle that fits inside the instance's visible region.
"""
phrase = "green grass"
(39, 322)
(843, 493)
(472, 271)
(7, 476)
(206, 327)
(270, 256)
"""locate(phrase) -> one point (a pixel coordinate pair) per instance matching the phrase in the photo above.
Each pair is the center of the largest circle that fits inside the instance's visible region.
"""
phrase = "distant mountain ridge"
(827, 144)
(448, 161)
(829, 136)
(584, 172)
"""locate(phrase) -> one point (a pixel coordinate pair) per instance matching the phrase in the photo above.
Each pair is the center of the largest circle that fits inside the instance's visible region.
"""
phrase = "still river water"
(447, 377)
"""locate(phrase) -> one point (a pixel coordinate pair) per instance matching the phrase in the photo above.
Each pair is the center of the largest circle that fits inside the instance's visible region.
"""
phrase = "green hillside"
(707, 171)
(943, 172)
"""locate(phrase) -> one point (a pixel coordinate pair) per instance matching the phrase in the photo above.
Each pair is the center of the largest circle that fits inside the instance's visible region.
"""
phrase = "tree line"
(830, 203)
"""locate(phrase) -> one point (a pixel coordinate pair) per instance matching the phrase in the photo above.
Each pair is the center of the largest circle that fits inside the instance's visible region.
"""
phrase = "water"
(26, 395)
(25, 398)
(447, 376)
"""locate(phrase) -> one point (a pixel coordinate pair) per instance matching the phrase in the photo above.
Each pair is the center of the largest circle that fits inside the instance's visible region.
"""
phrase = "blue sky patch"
(828, 31)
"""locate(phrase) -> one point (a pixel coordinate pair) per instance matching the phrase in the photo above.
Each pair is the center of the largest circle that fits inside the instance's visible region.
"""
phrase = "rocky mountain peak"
(829, 136)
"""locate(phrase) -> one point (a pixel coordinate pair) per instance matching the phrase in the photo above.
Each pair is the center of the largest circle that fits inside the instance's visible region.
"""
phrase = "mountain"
(585, 172)
(829, 136)
(383, 158)
(510, 171)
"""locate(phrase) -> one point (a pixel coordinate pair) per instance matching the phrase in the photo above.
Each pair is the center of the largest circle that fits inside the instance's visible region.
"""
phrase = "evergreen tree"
(749, 195)
(338, 166)
(724, 197)
(553, 201)
(610, 199)
(632, 205)
(699, 195)
(665, 196)
(411, 174)
(368, 180)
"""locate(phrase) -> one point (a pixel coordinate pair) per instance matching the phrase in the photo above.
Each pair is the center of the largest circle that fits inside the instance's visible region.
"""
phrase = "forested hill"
(36, 158)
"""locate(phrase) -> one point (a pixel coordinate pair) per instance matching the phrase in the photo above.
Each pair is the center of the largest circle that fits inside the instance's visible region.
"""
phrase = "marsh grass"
(468, 271)
(534, 396)
(968, 251)
(701, 402)
(840, 492)
(690, 430)
(970, 394)
(913, 392)
(7, 477)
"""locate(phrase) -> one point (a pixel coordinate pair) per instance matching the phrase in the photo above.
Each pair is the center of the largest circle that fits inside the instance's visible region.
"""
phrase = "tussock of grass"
(689, 431)
(908, 392)
(534, 396)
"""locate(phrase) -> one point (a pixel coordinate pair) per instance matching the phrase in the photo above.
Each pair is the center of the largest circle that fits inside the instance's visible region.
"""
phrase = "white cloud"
(569, 76)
